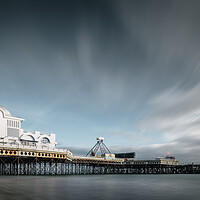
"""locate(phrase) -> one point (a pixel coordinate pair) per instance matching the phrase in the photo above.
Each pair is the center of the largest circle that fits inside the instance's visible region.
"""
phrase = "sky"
(126, 70)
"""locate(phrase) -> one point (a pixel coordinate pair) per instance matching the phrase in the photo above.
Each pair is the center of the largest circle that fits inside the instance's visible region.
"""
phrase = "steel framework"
(40, 166)
(24, 162)
(99, 149)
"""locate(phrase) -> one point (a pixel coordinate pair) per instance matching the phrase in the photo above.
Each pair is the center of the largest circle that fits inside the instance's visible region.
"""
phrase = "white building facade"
(12, 135)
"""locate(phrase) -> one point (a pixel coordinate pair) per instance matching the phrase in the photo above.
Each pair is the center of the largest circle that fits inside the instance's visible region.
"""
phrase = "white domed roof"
(6, 112)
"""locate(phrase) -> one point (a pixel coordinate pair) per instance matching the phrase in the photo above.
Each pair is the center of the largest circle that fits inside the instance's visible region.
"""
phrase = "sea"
(101, 187)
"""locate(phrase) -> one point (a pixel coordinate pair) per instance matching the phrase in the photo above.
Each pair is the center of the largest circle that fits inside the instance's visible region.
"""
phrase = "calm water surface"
(147, 187)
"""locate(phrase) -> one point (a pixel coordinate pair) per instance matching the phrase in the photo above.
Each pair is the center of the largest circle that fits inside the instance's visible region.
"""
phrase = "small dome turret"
(5, 111)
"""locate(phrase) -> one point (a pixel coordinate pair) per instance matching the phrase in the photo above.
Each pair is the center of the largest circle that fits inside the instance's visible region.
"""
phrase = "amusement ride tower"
(99, 149)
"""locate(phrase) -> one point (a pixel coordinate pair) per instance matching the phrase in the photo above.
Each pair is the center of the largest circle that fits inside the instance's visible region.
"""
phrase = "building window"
(45, 140)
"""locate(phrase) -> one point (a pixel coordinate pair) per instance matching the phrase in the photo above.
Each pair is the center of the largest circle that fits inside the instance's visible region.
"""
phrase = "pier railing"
(20, 146)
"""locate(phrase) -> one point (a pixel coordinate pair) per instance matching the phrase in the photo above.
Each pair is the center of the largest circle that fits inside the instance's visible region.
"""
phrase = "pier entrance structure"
(25, 152)
(12, 135)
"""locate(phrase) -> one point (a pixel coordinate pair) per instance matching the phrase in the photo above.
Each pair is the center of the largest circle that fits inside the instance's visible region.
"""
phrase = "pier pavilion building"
(12, 135)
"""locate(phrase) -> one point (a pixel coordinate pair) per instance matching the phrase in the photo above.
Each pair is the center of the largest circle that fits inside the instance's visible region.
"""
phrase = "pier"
(34, 162)
(33, 153)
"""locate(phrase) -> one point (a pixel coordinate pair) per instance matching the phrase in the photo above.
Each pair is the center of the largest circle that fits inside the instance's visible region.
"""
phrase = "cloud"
(174, 112)
(131, 67)
(79, 151)
(185, 148)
